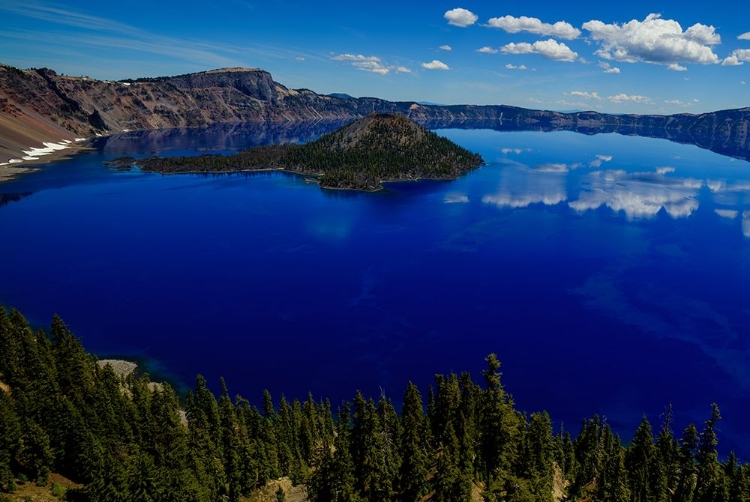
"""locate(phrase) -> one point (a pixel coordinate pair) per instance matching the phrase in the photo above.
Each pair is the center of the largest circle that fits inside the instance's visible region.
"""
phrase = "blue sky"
(623, 57)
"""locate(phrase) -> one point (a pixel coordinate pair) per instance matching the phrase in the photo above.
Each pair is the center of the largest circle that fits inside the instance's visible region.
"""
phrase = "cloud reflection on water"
(727, 213)
(521, 186)
(639, 195)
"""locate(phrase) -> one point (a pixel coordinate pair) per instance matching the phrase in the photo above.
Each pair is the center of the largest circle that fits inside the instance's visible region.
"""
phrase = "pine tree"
(666, 474)
(414, 449)
(34, 453)
(74, 366)
(711, 484)
(640, 461)
(499, 425)
(539, 454)
(333, 479)
(687, 483)
(231, 446)
(10, 434)
(203, 436)
(449, 483)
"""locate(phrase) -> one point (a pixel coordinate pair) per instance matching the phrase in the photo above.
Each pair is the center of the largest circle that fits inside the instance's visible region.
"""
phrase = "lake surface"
(609, 273)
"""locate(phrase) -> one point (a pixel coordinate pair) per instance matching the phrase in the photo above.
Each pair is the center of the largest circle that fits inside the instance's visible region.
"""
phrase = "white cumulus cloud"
(435, 65)
(654, 40)
(744, 36)
(608, 68)
(460, 17)
(676, 67)
(549, 49)
(622, 98)
(738, 57)
(445, 48)
(371, 64)
(585, 95)
(731, 61)
(488, 50)
(514, 67)
(511, 24)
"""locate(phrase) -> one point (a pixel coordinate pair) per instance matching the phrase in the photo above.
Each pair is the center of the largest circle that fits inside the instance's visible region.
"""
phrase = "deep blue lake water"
(609, 273)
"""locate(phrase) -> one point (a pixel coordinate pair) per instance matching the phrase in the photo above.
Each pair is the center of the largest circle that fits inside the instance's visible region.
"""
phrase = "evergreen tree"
(686, 486)
(333, 479)
(538, 458)
(450, 484)
(711, 484)
(414, 449)
(34, 453)
(231, 446)
(10, 434)
(640, 461)
(666, 473)
(498, 427)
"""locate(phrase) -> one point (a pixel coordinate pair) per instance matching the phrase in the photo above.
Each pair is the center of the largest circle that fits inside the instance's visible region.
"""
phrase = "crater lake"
(609, 273)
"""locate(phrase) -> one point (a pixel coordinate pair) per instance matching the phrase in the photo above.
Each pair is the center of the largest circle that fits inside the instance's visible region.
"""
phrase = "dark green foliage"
(711, 483)
(125, 439)
(687, 478)
(538, 456)
(667, 471)
(10, 433)
(640, 462)
(34, 455)
(414, 448)
(360, 156)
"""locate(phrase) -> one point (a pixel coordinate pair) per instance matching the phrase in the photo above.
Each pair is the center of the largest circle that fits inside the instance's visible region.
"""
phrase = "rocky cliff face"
(41, 106)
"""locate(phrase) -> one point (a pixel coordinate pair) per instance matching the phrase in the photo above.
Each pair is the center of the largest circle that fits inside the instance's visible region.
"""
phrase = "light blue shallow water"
(610, 274)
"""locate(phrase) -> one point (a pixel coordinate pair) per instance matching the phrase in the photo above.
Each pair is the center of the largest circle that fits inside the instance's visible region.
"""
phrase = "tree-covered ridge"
(359, 156)
(123, 440)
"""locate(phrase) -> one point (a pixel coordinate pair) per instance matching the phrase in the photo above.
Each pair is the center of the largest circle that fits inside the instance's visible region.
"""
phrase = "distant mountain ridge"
(40, 105)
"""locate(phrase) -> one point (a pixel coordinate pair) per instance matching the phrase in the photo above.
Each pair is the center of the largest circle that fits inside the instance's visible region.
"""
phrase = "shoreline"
(37, 156)
(307, 177)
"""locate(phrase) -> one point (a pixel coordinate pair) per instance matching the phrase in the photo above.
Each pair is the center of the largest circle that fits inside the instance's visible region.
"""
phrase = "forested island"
(76, 430)
(359, 156)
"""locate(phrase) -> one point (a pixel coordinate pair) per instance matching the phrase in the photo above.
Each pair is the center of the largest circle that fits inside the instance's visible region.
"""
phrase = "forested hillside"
(360, 156)
(123, 440)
